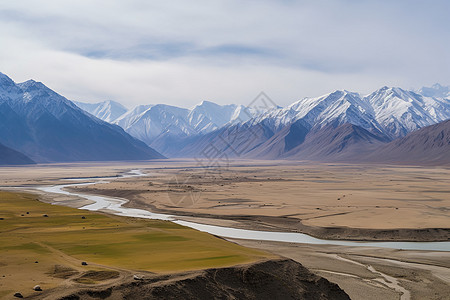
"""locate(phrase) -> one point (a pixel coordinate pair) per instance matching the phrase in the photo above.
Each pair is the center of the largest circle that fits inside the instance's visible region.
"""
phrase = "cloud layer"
(180, 52)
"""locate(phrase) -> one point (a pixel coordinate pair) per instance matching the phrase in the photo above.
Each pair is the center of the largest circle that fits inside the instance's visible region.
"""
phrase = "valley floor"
(358, 202)
(368, 273)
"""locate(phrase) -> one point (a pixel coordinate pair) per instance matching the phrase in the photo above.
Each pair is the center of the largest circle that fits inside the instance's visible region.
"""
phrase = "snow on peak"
(107, 110)
(400, 112)
(436, 90)
(342, 105)
(389, 110)
(150, 122)
(32, 84)
(206, 104)
(5, 81)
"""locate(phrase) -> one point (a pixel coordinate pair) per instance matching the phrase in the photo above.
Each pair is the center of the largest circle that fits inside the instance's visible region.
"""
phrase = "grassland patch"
(47, 250)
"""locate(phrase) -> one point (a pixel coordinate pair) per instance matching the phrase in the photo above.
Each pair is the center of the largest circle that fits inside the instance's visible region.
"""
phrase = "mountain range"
(46, 127)
(339, 126)
(39, 125)
(156, 124)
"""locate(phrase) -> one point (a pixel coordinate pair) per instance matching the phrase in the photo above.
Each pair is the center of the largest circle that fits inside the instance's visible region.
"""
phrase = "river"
(115, 205)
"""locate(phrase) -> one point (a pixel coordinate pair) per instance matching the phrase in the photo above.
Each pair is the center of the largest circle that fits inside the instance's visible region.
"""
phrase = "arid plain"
(331, 201)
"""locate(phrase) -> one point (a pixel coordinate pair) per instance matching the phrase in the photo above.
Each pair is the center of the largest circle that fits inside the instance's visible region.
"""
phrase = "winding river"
(114, 205)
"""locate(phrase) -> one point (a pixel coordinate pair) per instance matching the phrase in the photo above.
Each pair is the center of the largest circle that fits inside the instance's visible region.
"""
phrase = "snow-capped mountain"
(436, 91)
(338, 125)
(146, 122)
(208, 116)
(107, 111)
(393, 112)
(47, 127)
(151, 122)
(400, 112)
(386, 114)
(343, 106)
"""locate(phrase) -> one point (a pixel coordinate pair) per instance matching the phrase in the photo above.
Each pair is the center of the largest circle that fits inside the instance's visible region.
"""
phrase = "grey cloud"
(364, 42)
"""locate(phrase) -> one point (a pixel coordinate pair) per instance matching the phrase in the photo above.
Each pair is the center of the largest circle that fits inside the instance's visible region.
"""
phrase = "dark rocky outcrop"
(274, 279)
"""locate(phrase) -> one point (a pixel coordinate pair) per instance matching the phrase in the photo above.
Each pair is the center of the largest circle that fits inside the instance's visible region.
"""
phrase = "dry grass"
(32, 245)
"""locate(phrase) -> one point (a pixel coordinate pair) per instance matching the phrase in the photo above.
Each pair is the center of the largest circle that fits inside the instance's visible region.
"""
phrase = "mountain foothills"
(389, 125)
(46, 127)
(10, 156)
(339, 126)
(430, 144)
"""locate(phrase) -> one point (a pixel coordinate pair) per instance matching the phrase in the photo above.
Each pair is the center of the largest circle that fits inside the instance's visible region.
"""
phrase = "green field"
(32, 246)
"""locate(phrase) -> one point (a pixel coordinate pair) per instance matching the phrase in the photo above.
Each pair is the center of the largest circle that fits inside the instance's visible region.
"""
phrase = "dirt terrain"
(369, 273)
(361, 202)
(356, 202)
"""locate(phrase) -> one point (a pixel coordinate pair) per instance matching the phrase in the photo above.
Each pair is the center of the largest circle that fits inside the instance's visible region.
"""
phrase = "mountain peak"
(341, 93)
(113, 103)
(337, 93)
(436, 90)
(32, 85)
(47, 127)
(437, 86)
(386, 90)
(35, 91)
(349, 92)
(5, 81)
(107, 110)
(206, 103)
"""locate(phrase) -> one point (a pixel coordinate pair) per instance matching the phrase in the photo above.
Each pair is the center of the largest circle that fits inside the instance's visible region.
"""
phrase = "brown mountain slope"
(335, 143)
(429, 145)
(227, 142)
(283, 141)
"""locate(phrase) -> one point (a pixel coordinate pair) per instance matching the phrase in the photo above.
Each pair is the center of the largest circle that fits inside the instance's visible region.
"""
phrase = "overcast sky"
(181, 52)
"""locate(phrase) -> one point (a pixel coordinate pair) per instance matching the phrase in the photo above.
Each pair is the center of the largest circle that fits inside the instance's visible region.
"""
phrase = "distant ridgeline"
(339, 126)
(389, 125)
